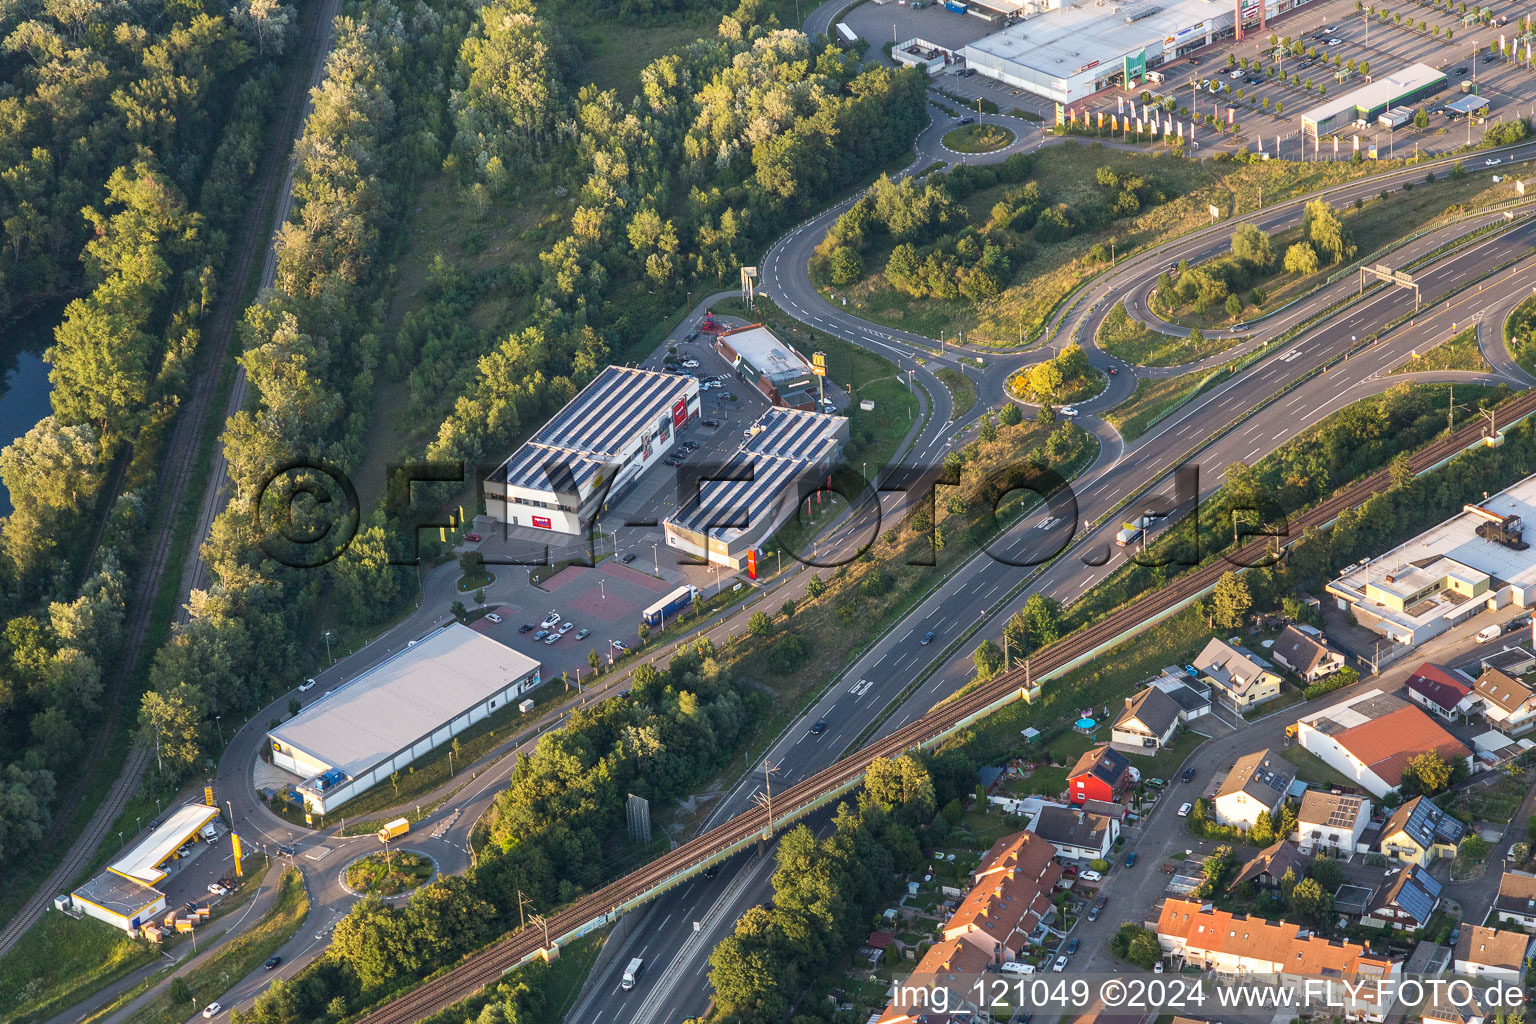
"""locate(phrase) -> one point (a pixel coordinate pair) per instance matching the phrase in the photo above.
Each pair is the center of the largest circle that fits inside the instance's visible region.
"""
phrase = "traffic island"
(978, 138)
(388, 875)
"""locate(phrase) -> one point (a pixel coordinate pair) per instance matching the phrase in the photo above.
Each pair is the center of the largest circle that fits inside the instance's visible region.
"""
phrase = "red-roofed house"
(954, 965)
(1234, 944)
(1011, 897)
(1440, 690)
(1373, 753)
(1102, 773)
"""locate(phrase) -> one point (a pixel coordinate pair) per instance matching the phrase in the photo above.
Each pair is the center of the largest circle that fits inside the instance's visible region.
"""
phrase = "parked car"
(1093, 912)
(1130, 859)
(619, 645)
(1092, 876)
(216, 889)
(550, 620)
(582, 634)
(493, 616)
(1184, 810)
(1157, 968)
(1188, 775)
(271, 962)
(566, 627)
(1072, 946)
(927, 638)
(629, 556)
(472, 537)
(1060, 964)
(1156, 783)
(552, 638)
(526, 627)
(711, 423)
(541, 634)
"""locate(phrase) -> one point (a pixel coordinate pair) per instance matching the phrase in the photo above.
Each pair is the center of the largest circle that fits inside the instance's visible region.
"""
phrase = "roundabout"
(978, 138)
(389, 875)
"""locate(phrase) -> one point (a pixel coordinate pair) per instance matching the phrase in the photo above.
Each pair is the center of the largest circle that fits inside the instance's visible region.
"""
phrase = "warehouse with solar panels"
(403, 708)
(620, 425)
(759, 487)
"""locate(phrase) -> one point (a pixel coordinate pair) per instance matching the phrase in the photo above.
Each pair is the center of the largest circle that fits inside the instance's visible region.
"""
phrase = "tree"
(1473, 849)
(988, 658)
(1252, 247)
(1230, 601)
(181, 992)
(845, 267)
(1309, 901)
(1326, 871)
(815, 586)
(1234, 306)
(759, 624)
(1301, 258)
(1010, 416)
(1426, 774)
(986, 430)
(1401, 471)
(1421, 119)
(901, 786)
(787, 609)
(172, 721)
(1324, 231)
(458, 610)
(594, 659)
(1263, 831)
(1144, 950)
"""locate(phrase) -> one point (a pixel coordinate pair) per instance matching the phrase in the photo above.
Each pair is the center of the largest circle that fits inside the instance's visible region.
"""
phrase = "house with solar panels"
(591, 451)
(1408, 901)
(738, 506)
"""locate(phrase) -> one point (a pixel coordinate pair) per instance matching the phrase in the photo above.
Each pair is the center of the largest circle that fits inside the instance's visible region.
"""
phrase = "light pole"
(655, 558)
(328, 657)
(221, 729)
(603, 588)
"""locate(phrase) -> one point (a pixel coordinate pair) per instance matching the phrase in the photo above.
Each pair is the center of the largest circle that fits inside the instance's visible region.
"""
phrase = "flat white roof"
(1455, 539)
(1349, 713)
(763, 349)
(1386, 89)
(404, 698)
(142, 863)
(1073, 39)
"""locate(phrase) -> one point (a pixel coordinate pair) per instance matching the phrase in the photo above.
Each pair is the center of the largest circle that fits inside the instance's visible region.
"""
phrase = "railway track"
(484, 967)
(175, 476)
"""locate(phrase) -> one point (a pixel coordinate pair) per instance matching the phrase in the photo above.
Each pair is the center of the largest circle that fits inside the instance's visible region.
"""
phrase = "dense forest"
(129, 138)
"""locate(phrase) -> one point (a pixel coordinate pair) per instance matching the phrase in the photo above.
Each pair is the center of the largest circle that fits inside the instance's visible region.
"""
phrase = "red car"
(471, 536)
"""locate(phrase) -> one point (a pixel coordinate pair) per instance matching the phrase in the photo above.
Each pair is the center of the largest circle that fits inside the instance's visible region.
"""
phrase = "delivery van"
(1489, 633)
(631, 973)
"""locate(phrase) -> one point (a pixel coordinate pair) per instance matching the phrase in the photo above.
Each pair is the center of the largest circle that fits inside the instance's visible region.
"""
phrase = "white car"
(1184, 810)
(212, 1010)
(1092, 876)
(1494, 162)
(216, 889)
(619, 645)
(493, 616)
(566, 627)
(552, 638)
(1333, 42)
(308, 684)
(1157, 968)
(1067, 410)
(1060, 964)
(549, 620)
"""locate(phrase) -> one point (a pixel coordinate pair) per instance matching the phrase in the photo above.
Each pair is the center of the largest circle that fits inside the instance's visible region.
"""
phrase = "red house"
(1102, 773)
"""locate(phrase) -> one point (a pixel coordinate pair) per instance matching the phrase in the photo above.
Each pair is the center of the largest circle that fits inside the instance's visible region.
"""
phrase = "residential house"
(1332, 822)
(1076, 834)
(1419, 832)
(1371, 737)
(1234, 944)
(1489, 953)
(1147, 723)
(1237, 675)
(1507, 702)
(1010, 899)
(953, 965)
(1439, 1008)
(1407, 901)
(1306, 652)
(1102, 773)
(1516, 901)
(1192, 696)
(1256, 783)
(1515, 660)
(1441, 690)
(1270, 864)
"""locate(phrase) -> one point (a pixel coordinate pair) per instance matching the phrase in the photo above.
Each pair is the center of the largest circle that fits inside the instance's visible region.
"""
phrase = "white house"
(1331, 823)
(1237, 675)
(1147, 723)
(1306, 652)
(1489, 953)
(1516, 900)
(1507, 702)
(1256, 783)
(1076, 834)
(1371, 737)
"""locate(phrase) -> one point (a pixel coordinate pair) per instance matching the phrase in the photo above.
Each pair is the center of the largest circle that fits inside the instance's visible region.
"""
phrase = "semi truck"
(667, 607)
(394, 829)
(1130, 532)
(631, 973)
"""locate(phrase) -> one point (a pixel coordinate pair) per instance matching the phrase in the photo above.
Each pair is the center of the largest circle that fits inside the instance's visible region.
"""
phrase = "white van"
(631, 973)
(1017, 967)
(1489, 633)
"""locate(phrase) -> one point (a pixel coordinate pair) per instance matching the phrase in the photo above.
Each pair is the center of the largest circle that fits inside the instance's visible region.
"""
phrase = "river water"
(24, 384)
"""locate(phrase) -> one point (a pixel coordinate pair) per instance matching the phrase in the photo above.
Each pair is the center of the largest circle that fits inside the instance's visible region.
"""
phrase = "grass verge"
(1520, 335)
(1459, 352)
(1126, 338)
(1155, 397)
(962, 391)
(60, 961)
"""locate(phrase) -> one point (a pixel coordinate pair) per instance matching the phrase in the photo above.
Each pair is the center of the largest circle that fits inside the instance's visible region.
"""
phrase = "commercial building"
(920, 53)
(1489, 953)
(589, 452)
(1256, 785)
(1399, 89)
(1331, 823)
(401, 709)
(1371, 737)
(1074, 51)
(739, 505)
(784, 376)
(1235, 945)
(1475, 560)
(124, 895)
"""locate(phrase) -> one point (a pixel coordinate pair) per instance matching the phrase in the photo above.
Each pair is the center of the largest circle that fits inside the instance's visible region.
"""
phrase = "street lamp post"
(328, 657)
(656, 558)
(221, 729)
